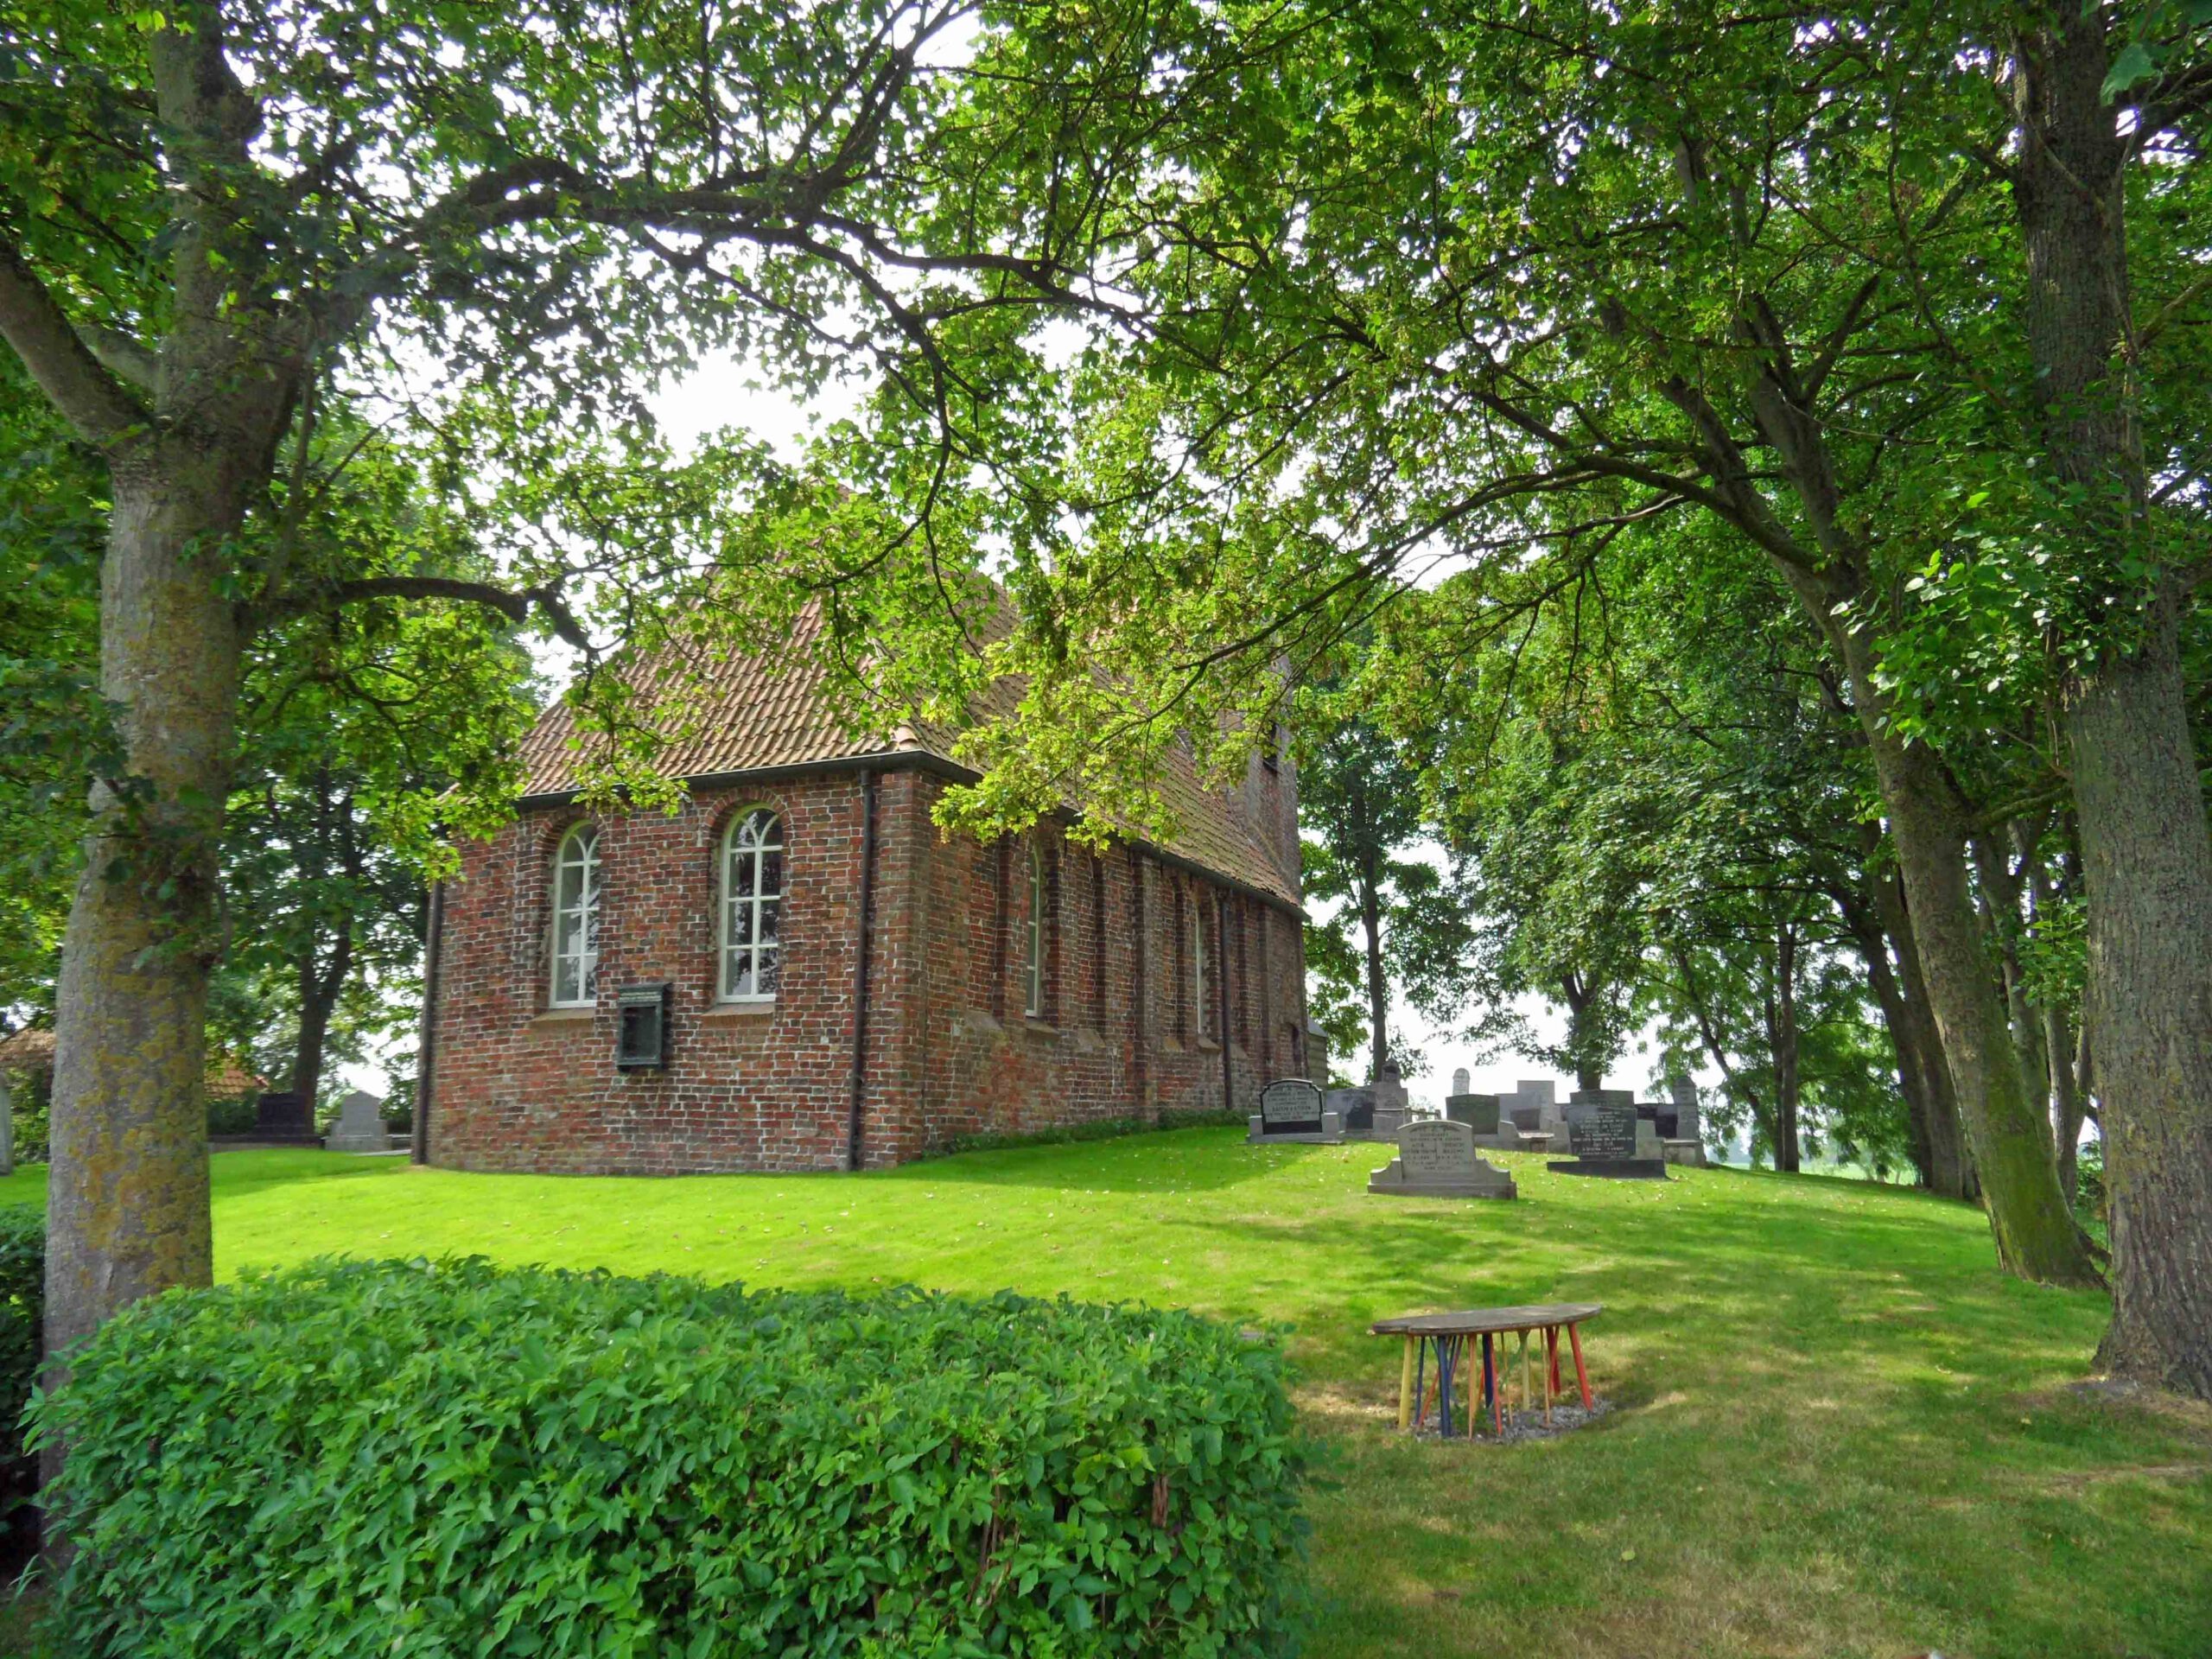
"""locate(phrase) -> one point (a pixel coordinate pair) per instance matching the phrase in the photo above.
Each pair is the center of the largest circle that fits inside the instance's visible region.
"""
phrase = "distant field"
(1841, 1431)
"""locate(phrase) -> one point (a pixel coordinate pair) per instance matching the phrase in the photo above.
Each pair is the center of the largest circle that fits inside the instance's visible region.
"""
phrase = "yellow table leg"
(1406, 1385)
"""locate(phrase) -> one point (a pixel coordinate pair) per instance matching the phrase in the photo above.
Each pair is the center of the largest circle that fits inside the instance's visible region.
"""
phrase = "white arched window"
(753, 895)
(1033, 939)
(575, 919)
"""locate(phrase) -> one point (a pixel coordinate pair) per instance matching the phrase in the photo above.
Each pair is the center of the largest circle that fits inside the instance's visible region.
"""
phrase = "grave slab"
(1436, 1159)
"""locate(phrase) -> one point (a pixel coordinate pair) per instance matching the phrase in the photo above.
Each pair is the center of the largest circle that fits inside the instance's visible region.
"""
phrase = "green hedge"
(357, 1459)
(1103, 1128)
(22, 1304)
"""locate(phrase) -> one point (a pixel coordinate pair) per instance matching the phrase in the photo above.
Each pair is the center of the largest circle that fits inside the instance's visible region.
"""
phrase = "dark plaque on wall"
(641, 1028)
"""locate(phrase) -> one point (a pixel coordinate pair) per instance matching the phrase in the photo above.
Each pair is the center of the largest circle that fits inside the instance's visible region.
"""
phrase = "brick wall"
(949, 1050)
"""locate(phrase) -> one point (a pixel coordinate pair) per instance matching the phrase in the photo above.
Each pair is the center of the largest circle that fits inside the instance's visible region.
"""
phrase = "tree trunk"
(1378, 986)
(2147, 865)
(1782, 1045)
(127, 1213)
(2008, 1135)
(1580, 999)
(2001, 891)
(1946, 1169)
(2067, 1051)
(2146, 852)
(319, 992)
(1882, 983)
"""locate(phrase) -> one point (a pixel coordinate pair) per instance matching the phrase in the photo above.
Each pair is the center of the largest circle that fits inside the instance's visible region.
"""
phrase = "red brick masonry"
(515, 1085)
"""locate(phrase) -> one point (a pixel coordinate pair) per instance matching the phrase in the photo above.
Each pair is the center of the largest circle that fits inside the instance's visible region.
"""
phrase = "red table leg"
(1551, 1350)
(1574, 1337)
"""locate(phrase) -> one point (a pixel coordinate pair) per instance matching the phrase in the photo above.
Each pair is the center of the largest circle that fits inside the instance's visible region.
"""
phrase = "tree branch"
(514, 604)
(119, 354)
(89, 397)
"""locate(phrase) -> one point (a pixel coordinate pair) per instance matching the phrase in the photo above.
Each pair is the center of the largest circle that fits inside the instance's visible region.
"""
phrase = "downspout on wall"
(426, 1041)
(853, 1150)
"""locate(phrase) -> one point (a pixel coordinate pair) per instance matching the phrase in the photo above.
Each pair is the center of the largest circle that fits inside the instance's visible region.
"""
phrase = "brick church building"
(798, 971)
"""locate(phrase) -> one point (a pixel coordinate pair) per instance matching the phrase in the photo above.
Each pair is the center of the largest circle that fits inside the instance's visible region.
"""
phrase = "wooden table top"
(1475, 1321)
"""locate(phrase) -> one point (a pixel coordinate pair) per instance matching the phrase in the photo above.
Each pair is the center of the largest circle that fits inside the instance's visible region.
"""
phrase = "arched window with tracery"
(575, 919)
(752, 899)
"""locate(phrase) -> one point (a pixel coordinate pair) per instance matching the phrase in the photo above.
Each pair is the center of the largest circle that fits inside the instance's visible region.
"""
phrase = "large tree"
(2112, 108)
(1360, 800)
(508, 222)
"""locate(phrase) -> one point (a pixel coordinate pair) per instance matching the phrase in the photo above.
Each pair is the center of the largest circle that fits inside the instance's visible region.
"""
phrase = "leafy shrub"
(22, 1304)
(239, 1115)
(31, 1098)
(357, 1458)
(2089, 1181)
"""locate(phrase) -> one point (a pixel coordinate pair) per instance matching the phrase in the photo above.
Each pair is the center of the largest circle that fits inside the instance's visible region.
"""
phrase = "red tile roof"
(32, 1050)
(766, 712)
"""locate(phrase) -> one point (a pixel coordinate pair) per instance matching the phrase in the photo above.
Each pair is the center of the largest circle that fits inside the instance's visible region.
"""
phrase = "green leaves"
(356, 1458)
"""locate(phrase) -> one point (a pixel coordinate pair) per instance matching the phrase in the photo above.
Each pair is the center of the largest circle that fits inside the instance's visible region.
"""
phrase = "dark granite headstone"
(284, 1118)
(1293, 1109)
(1479, 1112)
(1357, 1106)
(1607, 1133)
(1530, 1120)
(1292, 1106)
(1609, 1139)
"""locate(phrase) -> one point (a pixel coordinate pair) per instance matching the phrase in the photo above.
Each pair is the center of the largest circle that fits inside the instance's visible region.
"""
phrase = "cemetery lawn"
(1839, 1430)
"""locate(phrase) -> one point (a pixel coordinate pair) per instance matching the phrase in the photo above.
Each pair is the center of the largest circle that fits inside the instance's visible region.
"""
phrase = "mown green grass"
(1840, 1430)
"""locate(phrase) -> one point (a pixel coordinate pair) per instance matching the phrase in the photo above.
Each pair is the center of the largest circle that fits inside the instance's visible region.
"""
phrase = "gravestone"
(1459, 1081)
(1539, 1097)
(1291, 1110)
(1436, 1159)
(284, 1118)
(1608, 1139)
(1606, 1130)
(1687, 1145)
(360, 1127)
(1391, 1107)
(1479, 1112)
(1355, 1107)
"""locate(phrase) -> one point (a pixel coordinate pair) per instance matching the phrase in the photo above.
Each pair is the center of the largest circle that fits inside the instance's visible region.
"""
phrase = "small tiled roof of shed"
(759, 712)
(32, 1050)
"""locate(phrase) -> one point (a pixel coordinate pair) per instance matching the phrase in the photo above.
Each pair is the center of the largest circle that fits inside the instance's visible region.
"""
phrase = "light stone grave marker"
(360, 1127)
(1436, 1159)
